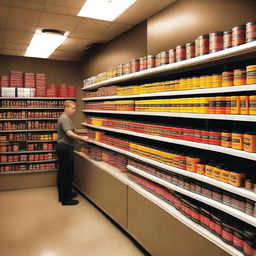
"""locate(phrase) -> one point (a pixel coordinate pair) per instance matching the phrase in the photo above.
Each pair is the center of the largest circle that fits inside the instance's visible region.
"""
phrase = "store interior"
(166, 93)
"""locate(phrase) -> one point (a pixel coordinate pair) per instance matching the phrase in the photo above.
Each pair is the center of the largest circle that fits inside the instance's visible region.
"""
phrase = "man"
(65, 144)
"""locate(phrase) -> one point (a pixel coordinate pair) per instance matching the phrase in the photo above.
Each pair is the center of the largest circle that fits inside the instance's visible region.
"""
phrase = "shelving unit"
(28, 172)
(236, 190)
(229, 151)
(238, 214)
(26, 130)
(241, 88)
(245, 118)
(173, 68)
(245, 51)
(162, 204)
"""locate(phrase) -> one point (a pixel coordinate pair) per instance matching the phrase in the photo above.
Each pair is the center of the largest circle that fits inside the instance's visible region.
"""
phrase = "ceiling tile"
(13, 52)
(68, 3)
(89, 28)
(29, 4)
(3, 16)
(58, 21)
(60, 9)
(15, 46)
(63, 53)
(23, 19)
(17, 36)
(74, 44)
(142, 10)
(5, 2)
(67, 58)
(112, 31)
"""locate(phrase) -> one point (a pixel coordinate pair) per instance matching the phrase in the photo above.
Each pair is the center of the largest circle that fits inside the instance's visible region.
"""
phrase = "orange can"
(226, 139)
(228, 104)
(217, 171)
(225, 175)
(237, 179)
(212, 105)
(235, 105)
(209, 170)
(252, 105)
(191, 163)
(250, 142)
(237, 140)
(221, 105)
(200, 168)
(239, 77)
(244, 105)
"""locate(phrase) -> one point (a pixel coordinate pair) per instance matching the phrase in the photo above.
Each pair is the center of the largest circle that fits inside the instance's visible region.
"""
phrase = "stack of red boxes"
(63, 91)
(72, 91)
(4, 81)
(29, 80)
(52, 91)
(16, 79)
(40, 85)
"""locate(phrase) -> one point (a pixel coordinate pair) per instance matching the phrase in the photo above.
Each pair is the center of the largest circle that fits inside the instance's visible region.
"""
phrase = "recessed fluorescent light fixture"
(45, 42)
(107, 10)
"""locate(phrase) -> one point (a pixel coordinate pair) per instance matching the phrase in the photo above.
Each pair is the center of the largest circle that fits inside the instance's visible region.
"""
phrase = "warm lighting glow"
(43, 45)
(107, 10)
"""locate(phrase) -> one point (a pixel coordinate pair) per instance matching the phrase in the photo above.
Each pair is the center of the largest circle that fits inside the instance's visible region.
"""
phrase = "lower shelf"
(164, 205)
(28, 172)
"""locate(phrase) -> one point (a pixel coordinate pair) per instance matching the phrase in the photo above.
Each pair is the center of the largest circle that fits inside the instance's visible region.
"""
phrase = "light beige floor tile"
(33, 223)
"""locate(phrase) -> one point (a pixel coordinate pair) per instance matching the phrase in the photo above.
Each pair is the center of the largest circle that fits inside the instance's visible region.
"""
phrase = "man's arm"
(75, 136)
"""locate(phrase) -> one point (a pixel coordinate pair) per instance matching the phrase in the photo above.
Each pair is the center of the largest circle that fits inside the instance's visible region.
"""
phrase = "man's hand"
(84, 138)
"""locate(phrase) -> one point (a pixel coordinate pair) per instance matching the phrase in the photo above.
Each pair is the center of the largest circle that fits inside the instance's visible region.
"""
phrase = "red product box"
(15, 78)
(4, 81)
(40, 80)
(29, 80)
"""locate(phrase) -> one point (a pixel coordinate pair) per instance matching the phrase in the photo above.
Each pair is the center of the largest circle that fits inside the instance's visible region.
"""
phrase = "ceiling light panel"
(43, 45)
(107, 10)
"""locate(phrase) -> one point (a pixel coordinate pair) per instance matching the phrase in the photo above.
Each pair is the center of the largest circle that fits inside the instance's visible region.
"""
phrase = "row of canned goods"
(229, 229)
(233, 175)
(242, 76)
(204, 44)
(242, 140)
(234, 105)
(222, 196)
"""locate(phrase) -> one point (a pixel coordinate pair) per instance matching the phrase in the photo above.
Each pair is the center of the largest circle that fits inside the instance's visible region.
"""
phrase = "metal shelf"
(28, 172)
(229, 151)
(246, 118)
(49, 108)
(26, 119)
(42, 161)
(12, 163)
(163, 205)
(231, 211)
(27, 152)
(242, 88)
(176, 67)
(236, 190)
(35, 98)
(45, 130)
(32, 141)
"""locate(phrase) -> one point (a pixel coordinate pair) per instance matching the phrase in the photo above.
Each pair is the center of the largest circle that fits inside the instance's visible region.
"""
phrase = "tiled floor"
(33, 223)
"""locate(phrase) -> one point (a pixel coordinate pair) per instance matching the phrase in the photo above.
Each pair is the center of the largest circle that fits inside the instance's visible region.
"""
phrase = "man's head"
(69, 107)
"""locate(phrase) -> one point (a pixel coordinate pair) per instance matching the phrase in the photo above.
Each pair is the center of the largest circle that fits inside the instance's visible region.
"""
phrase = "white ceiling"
(20, 18)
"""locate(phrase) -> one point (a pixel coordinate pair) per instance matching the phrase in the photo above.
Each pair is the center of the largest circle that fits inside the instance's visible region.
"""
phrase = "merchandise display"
(204, 44)
(226, 78)
(17, 138)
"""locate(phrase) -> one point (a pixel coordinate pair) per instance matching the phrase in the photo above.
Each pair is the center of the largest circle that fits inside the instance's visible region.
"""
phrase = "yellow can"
(251, 74)
(204, 105)
(216, 80)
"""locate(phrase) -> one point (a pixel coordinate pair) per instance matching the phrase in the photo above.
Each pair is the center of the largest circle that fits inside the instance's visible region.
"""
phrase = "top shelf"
(176, 67)
(35, 98)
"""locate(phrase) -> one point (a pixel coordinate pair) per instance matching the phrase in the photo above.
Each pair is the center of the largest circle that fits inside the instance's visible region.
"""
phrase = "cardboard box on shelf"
(4, 81)
(8, 92)
(26, 92)
(29, 80)
(15, 78)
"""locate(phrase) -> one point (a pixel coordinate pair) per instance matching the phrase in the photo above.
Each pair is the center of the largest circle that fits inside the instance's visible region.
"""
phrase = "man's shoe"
(71, 202)
(73, 194)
